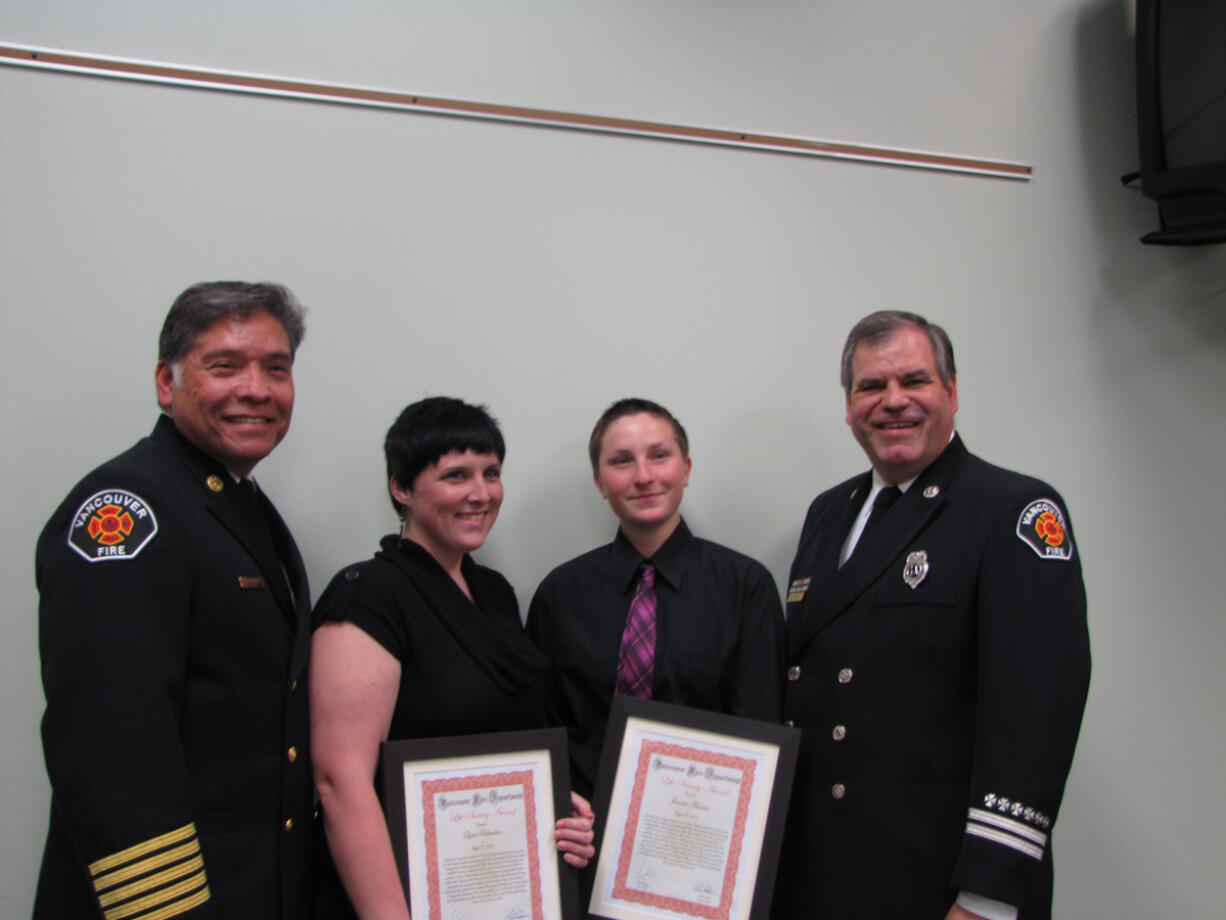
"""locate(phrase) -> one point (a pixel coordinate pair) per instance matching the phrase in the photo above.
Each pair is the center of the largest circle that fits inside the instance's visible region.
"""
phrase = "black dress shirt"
(719, 636)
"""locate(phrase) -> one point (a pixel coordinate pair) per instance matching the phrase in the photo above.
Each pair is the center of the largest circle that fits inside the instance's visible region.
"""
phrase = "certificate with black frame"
(472, 825)
(690, 807)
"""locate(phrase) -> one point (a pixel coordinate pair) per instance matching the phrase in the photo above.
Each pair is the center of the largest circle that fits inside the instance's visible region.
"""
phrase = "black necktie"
(881, 504)
(258, 529)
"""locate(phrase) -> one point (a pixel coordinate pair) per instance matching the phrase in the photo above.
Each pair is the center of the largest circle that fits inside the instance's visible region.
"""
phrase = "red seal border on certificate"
(431, 788)
(415, 771)
(640, 733)
(621, 887)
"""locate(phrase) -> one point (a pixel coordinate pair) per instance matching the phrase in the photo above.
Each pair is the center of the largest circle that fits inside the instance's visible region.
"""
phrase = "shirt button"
(839, 733)
(838, 790)
(289, 825)
(845, 676)
(292, 754)
(794, 672)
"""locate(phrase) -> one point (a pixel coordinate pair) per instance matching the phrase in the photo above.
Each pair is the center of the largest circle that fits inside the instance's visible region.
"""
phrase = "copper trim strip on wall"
(235, 81)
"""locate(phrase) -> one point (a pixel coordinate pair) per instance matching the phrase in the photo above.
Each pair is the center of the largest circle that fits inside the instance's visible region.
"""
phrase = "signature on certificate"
(644, 878)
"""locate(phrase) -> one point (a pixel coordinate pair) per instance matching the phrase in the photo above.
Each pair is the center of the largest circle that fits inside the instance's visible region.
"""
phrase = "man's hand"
(961, 913)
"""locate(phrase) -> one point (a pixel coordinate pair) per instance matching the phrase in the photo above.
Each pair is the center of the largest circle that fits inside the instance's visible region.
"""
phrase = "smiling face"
(898, 409)
(232, 395)
(453, 504)
(642, 473)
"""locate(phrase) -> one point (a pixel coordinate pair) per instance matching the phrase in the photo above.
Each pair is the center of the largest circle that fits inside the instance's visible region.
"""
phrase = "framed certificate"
(472, 825)
(690, 807)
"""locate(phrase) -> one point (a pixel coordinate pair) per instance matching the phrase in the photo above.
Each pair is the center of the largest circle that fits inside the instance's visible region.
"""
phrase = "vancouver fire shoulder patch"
(110, 525)
(1042, 527)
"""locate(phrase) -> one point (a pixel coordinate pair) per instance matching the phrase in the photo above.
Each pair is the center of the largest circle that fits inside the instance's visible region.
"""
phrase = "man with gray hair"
(938, 661)
(173, 628)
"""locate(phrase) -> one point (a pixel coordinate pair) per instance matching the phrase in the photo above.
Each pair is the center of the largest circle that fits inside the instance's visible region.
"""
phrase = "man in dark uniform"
(174, 628)
(938, 661)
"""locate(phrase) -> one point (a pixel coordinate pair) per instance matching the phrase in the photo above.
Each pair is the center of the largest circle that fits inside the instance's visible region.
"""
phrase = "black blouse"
(466, 667)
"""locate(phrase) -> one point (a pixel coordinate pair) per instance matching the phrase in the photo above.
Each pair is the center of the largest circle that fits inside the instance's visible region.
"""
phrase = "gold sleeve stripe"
(179, 907)
(151, 882)
(165, 858)
(162, 903)
(178, 835)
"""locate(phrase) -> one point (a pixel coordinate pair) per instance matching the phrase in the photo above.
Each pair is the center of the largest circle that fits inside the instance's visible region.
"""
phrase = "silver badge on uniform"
(932, 491)
(916, 569)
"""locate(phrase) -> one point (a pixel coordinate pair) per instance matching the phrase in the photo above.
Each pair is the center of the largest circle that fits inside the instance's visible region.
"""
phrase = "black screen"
(1191, 67)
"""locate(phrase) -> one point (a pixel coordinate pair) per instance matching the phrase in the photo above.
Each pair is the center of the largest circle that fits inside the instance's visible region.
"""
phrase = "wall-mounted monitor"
(1181, 117)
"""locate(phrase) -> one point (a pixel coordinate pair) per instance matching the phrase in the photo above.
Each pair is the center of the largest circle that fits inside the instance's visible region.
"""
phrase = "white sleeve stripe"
(1008, 824)
(1007, 839)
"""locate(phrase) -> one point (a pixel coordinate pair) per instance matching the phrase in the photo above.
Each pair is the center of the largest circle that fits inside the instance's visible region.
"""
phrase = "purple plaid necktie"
(638, 648)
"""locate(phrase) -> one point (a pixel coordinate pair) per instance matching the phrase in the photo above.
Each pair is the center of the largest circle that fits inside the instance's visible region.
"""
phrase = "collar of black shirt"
(669, 559)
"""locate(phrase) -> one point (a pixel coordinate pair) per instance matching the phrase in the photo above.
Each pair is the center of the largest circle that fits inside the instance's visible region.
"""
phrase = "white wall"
(547, 273)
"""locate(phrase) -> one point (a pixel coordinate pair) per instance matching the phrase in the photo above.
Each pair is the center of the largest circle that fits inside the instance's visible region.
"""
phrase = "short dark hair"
(879, 326)
(432, 427)
(205, 303)
(632, 405)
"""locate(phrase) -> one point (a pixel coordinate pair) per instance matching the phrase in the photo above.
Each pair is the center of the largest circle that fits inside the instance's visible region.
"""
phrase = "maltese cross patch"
(112, 524)
(1042, 527)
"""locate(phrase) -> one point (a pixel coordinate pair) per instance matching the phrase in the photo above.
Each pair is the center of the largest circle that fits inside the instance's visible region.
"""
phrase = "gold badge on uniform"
(796, 591)
(916, 568)
(214, 482)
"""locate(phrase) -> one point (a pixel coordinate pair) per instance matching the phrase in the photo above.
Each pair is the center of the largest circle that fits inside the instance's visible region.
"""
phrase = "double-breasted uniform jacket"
(939, 679)
(174, 625)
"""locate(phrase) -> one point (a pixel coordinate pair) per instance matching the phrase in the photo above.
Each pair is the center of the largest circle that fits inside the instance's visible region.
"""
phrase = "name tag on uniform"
(251, 581)
(797, 589)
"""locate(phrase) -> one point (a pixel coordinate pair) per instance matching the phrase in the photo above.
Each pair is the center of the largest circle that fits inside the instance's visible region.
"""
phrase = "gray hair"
(879, 326)
(203, 304)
